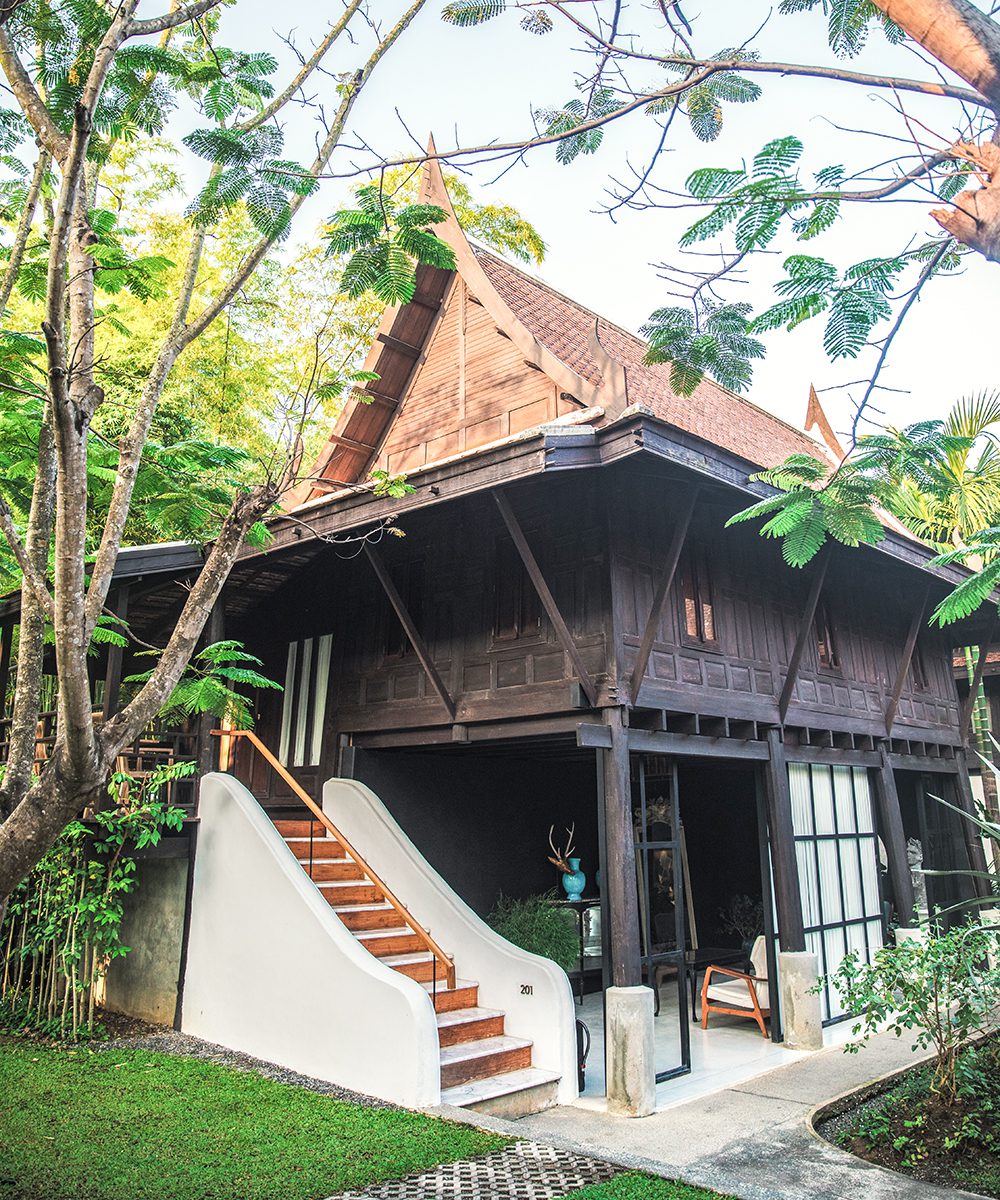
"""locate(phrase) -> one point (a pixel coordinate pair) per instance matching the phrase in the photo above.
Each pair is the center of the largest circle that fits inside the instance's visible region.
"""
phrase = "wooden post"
(207, 748)
(416, 641)
(545, 595)
(805, 625)
(113, 668)
(894, 839)
(6, 638)
(784, 864)
(904, 662)
(662, 588)
(965, 800)
(619, 882)
(965, 717)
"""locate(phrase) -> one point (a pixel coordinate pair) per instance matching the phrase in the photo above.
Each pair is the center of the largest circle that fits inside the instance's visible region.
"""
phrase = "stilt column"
(891, 821)
(623, 901)
(784, 864)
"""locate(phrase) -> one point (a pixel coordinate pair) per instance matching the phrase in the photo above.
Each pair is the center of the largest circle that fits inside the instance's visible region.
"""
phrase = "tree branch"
(307, 69)
(35, 580)
(23, 229)
(31, 103)
(170, 20)
(183, 333)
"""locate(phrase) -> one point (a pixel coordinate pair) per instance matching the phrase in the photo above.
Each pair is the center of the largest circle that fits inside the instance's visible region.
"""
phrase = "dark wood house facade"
(566, 634)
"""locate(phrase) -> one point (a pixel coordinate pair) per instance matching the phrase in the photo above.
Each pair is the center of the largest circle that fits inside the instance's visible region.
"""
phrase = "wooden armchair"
(743, 994)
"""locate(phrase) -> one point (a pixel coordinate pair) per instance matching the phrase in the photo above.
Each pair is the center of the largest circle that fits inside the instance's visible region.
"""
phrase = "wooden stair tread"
(461, 985)
(459, 1016)
(478, 1090)
(464, 1051)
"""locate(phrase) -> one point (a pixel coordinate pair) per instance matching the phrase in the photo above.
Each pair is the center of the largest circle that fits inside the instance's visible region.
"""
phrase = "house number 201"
(527, 989)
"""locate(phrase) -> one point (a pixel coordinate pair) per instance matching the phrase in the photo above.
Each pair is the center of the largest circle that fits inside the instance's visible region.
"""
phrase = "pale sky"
(473, 85)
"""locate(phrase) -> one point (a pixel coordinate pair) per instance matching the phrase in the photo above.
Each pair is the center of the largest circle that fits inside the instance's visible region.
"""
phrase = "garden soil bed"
(892, 1106)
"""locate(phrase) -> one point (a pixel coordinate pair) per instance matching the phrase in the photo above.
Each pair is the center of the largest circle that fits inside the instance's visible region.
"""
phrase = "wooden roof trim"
(340, 439)
(816, 418)
(609, 394)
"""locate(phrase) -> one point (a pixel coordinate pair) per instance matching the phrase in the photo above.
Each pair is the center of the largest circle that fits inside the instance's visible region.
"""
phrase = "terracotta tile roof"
(711, 413)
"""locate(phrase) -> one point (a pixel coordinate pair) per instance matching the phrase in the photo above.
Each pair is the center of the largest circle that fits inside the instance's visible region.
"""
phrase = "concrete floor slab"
(751, 1140)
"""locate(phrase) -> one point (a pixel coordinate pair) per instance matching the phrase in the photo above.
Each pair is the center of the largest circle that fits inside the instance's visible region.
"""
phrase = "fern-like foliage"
(718, 344)
(384, 243)
(210, 684)
(812, 507)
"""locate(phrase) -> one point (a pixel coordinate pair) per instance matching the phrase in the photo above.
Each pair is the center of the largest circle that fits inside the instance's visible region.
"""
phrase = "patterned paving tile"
(523, 1171)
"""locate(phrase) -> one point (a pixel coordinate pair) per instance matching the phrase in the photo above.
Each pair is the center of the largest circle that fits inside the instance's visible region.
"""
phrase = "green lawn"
(129, 1125)
(80, 1124)
(633, 1185)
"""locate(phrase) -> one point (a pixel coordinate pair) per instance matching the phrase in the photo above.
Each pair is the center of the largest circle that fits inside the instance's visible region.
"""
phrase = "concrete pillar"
(802, 1015)
(628, 1036)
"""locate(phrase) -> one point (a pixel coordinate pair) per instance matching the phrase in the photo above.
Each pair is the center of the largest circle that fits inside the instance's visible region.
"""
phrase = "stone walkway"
(752, 1140)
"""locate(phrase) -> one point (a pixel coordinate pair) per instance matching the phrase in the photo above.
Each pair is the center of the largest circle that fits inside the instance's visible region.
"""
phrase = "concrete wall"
(272, 971)
(144, 983)
(533, 992)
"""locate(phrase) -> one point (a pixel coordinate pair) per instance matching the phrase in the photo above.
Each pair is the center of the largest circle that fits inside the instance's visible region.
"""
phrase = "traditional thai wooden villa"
(566, 635)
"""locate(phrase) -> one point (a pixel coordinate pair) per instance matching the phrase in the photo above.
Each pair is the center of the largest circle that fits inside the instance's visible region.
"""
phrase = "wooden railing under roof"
(411, 923)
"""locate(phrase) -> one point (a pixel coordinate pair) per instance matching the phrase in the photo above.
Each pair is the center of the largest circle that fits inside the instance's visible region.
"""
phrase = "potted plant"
(743, 917)
(539, 926)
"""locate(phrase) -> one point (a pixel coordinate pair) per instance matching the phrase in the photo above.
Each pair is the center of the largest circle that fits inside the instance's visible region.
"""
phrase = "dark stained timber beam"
(113, 670)
(350, 443)
(6, 638)
(805, 625)
(784, 863)
(545, 595)
(966, 801)
(906, 660)
(965, 720)
(623, 901)
(394, 343)
(662, 589)
(413, 634)
(894, 839)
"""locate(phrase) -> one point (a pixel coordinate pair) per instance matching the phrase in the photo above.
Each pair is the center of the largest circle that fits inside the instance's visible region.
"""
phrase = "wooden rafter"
(662, 589)
(350, 443)
(805, 625)
(545, 595)
(409, 628)
(965, 721)
(395, 343)
(905, 660)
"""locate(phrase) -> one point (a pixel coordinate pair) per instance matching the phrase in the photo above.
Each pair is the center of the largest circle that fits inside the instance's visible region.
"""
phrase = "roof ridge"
(480, 250)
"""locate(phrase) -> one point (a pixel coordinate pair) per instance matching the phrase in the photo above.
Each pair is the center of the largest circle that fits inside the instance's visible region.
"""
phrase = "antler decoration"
(560, 858)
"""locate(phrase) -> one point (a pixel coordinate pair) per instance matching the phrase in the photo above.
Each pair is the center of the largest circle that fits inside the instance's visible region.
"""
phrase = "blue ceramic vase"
(574, 881)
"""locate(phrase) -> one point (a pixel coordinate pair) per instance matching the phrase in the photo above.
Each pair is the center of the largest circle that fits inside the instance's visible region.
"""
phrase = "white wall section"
(272, 971)
(533, 992)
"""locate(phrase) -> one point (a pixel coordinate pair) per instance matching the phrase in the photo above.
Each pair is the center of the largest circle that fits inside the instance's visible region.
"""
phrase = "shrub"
(943, 989)
(539, 926)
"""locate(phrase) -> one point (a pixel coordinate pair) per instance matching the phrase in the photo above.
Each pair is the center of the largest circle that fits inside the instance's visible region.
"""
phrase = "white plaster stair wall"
(272, 971)
(534, 993)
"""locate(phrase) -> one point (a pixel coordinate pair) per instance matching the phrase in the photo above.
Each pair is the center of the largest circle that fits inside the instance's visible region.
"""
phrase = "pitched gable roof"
(711, 413)
(583, 360)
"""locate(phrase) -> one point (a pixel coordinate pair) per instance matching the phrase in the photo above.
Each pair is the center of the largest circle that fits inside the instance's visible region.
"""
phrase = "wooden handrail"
(320, 815)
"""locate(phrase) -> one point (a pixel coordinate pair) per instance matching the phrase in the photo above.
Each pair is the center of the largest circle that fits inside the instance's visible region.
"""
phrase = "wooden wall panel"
(757, 606)
(473, 387)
